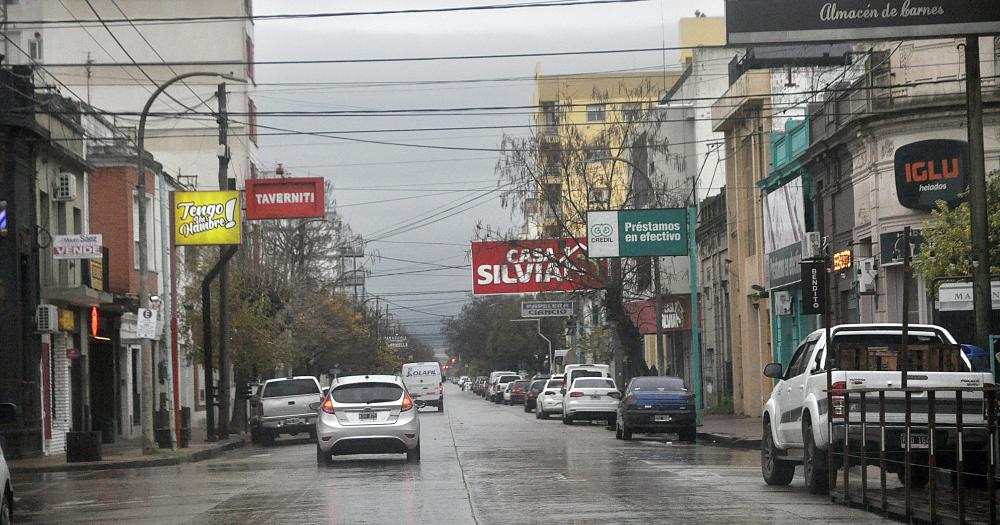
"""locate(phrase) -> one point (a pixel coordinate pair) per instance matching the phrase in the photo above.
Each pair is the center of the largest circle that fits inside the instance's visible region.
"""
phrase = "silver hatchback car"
(370, 414)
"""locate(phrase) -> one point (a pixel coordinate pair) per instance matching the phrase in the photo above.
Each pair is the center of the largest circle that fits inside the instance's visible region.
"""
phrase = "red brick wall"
(111, 190)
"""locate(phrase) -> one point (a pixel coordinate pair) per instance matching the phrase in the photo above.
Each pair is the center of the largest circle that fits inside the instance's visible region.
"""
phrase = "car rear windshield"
(367, 393)
(593, 383)
(508, 379)
(522, 383)
(555, 383)
(670, 384)
(883, 352)
(291, 387)
(538, 385)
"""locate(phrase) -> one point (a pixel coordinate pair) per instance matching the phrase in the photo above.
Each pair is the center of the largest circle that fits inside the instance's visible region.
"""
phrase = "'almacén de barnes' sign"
(799, 21)
(931, 170)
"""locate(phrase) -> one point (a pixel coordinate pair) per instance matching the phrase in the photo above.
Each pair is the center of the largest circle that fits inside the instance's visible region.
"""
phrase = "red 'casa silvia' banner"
(529, 266)
(291, 198)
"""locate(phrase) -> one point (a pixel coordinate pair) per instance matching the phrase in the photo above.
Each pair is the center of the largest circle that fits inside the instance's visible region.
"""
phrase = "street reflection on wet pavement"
(481, 463)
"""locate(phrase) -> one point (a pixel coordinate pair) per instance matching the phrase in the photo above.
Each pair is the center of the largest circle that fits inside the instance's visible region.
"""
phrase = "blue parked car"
(656, 404)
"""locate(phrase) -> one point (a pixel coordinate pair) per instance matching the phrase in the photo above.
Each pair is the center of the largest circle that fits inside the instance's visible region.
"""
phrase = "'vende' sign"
(82, 246)
(296, 198)
(545, 265)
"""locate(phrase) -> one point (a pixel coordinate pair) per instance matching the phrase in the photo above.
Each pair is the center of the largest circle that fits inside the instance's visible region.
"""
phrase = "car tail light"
(440, 390)
(615, 394)
(838, 398)
(327, 406)
(260, 409)
(407, 403)
(576, 394)
(630, 401)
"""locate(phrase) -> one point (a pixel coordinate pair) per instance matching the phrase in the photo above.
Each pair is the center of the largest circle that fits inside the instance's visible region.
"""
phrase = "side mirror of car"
(314, 406)
(773, 370)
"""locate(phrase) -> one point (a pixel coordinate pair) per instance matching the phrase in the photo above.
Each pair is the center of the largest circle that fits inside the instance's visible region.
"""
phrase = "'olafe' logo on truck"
(929, 171)
(420, 373)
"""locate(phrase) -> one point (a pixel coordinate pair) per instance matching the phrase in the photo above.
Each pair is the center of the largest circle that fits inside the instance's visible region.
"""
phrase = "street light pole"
(538, 327)
(146, 350)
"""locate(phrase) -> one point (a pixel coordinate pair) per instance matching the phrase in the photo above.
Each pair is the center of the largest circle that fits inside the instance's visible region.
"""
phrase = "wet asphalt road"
(481, 464)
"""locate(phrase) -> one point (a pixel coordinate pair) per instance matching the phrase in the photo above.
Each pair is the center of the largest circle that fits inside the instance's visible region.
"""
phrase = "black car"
(531, 396)
(656, 404)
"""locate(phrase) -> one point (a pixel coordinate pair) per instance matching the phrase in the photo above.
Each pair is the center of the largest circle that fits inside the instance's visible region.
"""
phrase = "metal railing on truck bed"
(942, 449)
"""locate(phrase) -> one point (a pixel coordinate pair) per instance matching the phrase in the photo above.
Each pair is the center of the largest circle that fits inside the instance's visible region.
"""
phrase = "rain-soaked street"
(482, 463)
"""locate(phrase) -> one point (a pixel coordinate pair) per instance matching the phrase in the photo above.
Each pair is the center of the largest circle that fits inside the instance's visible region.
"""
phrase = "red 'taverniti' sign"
(545, 265)
(296, 198)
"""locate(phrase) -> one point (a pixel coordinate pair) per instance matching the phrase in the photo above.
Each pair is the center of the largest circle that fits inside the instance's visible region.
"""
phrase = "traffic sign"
(145, 324)
(546, 308)
(637, 233)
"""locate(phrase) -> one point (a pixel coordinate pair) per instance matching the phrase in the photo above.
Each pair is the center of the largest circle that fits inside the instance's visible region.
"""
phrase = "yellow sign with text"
(206, 218)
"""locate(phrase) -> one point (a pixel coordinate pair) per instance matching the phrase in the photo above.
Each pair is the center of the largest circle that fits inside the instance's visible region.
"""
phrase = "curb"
(191, 457)
(728, 441)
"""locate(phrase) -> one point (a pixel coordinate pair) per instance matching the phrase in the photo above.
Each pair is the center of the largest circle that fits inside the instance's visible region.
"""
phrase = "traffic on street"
(499, 261)
(480, 463)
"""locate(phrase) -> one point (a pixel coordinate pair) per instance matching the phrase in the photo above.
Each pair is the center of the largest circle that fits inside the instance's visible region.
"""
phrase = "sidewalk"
(731, 431)
(128, 454)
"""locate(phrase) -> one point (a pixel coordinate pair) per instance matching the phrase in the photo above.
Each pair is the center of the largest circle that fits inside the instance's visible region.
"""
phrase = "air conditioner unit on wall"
(782, 303)
(812, 245)
(867, 274)
(64, 188)
(47, 318)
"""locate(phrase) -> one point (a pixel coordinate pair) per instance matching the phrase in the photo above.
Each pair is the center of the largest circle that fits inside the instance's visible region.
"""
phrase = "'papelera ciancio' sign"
(293, 198)
(931, 170)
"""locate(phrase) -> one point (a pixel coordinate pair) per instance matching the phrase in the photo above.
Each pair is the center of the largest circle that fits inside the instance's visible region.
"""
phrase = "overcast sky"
(429, 180)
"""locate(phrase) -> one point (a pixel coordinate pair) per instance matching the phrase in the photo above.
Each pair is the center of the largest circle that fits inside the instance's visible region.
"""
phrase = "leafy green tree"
(947, 248)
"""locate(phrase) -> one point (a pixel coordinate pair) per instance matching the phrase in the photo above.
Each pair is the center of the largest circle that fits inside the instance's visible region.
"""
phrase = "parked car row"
(655, 404)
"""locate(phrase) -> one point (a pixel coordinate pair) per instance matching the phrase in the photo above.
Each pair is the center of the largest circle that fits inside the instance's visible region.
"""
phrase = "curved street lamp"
(140, 187)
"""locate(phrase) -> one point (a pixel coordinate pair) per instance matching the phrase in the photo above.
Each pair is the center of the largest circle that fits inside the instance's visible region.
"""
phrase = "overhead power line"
(340, 14)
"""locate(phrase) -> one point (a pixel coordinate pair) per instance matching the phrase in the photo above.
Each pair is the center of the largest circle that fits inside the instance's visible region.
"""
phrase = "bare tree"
(563, 170)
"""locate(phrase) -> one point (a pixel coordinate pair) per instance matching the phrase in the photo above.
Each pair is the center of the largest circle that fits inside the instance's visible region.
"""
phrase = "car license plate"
(917, 441)
(367, 416)
(596, 396)
(294, 421)
(661, 419)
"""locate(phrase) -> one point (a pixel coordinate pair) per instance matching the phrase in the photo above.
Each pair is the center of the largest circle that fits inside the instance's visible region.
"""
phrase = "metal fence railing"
(940, 442)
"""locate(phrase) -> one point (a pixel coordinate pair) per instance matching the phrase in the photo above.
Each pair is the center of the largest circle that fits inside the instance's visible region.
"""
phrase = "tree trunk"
(239, 421)
(628, 335)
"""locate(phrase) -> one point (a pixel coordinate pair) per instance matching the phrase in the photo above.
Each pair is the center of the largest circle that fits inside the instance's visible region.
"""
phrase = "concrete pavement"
(482, 464)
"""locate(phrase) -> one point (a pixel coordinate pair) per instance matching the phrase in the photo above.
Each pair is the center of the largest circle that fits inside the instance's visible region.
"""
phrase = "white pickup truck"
(795, 422)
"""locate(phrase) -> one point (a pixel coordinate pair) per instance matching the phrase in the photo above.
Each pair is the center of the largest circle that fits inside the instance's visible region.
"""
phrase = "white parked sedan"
(550, 399)
(591, 398)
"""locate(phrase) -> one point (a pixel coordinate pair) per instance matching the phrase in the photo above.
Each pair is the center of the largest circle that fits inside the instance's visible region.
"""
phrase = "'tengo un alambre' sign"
(530, 266)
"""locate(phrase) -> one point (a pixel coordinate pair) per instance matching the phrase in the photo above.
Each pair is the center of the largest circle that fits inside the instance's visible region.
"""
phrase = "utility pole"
(224, 380)
(981, 301)
(657, 293)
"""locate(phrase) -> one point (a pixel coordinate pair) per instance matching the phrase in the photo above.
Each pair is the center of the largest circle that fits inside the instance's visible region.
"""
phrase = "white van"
(577, 371)
(425, 384)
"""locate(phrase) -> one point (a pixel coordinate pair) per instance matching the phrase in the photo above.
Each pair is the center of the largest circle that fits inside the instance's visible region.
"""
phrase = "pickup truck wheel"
(919, 476)
(267, 437)
(814, 467)
(626, 432)
(776, 471)
(254, 435)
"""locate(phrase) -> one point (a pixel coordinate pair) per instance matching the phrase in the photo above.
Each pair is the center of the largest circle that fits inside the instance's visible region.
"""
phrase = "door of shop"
(102, 389)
